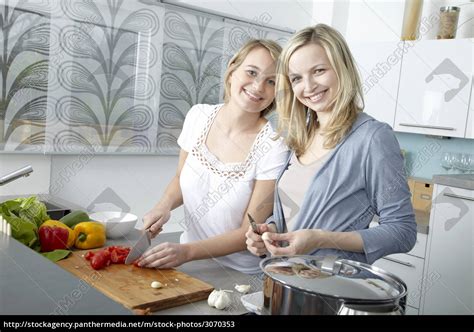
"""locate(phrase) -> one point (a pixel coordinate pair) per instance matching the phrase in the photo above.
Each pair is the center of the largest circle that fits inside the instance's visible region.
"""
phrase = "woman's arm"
(168, 255)
(387, 189)
(171, 199)
(305, 241)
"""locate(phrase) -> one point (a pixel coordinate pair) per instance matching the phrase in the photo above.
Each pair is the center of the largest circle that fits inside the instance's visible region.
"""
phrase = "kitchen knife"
(139, 248)
(255, 229)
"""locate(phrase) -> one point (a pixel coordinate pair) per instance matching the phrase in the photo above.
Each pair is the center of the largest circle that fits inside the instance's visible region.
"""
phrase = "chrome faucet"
(25, 171)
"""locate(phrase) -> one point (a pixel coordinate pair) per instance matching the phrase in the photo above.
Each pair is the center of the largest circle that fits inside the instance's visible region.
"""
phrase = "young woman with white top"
(229, 160)
(345, 167)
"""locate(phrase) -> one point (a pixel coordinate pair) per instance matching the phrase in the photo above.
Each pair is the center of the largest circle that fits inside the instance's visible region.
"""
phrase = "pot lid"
(328, 275)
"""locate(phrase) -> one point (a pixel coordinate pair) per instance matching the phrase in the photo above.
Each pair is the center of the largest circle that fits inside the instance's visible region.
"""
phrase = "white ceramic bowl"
(117, 224)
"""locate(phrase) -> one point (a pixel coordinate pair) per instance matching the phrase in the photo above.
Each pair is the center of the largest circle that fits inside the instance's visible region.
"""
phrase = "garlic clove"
(156, 284)
(266, 237)
(244, 289)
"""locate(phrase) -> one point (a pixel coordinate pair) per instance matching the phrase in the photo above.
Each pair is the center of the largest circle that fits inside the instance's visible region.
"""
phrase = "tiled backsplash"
(424, 153)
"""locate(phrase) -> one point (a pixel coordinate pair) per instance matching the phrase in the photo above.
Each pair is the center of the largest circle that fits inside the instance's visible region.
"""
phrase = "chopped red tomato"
(106, 256)
(100, 260)
(88, 256)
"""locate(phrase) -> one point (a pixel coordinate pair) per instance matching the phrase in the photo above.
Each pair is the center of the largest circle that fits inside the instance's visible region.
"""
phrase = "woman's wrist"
(187, 251)
(320, 239)
(163, 205)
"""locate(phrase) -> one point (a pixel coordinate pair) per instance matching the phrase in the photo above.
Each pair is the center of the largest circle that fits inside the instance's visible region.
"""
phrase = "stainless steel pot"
(325, 285)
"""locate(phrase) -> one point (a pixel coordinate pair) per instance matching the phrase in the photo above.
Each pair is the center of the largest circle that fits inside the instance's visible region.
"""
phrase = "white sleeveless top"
(216, 194)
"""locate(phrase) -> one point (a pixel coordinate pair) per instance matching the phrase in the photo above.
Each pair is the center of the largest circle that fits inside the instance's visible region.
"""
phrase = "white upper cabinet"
(379, 66)
(470, 116)
(435, 84)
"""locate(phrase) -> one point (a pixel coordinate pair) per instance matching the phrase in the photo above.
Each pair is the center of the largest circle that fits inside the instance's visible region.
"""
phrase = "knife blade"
(255, 229)
(139, 248)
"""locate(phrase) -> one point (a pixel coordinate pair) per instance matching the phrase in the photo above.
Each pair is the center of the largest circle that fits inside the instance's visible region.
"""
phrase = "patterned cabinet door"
(108, 66)
(192, 55)
(24, 51)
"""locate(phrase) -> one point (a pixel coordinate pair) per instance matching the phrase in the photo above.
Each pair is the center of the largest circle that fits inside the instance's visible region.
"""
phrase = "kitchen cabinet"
(409, 267)
(434, 89)
(470, 116)
(379, 67)
(449, 286)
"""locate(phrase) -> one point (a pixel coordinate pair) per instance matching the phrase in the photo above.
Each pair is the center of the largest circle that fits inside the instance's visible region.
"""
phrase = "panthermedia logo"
(108, 200)
(452, 79)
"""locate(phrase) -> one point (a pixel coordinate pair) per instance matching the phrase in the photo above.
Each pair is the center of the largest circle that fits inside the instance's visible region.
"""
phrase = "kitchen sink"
(56, 212)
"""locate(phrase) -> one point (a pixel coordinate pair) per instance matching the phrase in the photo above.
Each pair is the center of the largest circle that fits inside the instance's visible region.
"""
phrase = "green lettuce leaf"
(56, 255)
(25, 215)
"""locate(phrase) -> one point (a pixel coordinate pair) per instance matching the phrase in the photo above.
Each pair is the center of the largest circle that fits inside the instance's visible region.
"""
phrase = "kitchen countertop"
(40, 287)
(464, 181)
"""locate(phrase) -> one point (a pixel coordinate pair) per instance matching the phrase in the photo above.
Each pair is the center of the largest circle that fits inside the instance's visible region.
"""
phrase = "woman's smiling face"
(313, 80)
(253, 82)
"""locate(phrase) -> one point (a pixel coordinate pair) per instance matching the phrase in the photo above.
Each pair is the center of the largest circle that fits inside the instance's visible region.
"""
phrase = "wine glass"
(447, 161)
(464, 163)
(470, 163)
(457, 161)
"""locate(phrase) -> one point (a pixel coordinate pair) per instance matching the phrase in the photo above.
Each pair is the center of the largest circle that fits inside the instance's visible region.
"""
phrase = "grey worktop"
(31, 284)
(464, 181)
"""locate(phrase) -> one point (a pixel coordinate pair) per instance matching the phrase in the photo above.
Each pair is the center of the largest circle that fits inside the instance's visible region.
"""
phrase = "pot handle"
(330, 265)
(348, 309)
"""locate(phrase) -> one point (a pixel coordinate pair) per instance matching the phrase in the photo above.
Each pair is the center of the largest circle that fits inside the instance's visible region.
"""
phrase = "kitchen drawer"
(422, 196)
(411, 311)
(409, 269)
(419, 250)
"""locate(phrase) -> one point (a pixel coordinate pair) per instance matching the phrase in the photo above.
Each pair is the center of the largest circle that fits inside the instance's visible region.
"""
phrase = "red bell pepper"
(52, 238)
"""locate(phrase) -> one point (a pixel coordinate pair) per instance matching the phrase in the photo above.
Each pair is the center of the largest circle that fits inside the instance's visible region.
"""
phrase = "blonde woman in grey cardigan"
(345, 166)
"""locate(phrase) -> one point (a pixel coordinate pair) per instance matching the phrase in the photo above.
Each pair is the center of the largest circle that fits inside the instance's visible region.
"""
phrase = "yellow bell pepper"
(71, 233)
(89, 235)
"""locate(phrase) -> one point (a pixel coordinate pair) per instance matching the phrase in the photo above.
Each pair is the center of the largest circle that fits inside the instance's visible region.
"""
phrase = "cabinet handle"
(399, 262)
(459, 196)
(426, 126)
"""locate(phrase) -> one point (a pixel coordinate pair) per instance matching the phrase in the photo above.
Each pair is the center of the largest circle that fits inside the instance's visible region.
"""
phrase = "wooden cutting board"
(130, 285)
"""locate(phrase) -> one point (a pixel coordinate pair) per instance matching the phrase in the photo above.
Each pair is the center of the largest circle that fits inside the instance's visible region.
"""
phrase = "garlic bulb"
(244, 289)
(222, 301)
(219, 299)
(212, 298)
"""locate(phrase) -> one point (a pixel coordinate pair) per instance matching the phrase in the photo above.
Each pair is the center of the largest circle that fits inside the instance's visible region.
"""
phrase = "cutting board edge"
(173, 302)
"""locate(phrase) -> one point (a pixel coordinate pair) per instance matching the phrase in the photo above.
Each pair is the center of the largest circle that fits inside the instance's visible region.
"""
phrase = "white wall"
(373, 20)
(36, 183)
(130, 183)
(284, 13)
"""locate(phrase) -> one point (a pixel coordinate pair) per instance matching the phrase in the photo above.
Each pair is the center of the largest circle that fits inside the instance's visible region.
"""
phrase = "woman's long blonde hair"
(347, 103)
(272, 47)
